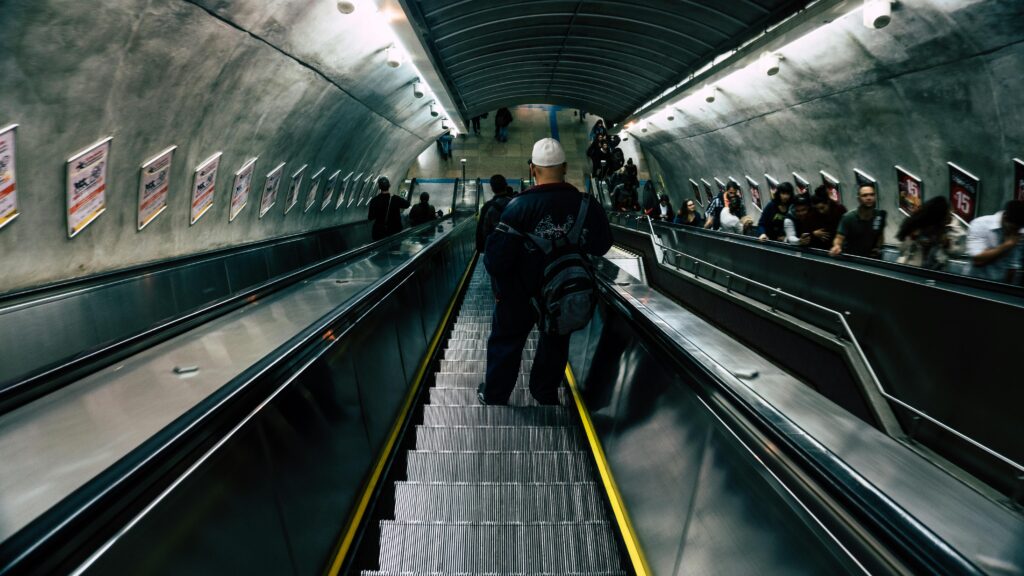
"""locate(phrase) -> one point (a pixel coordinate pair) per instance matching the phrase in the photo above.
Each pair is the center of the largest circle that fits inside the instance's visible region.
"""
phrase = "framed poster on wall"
(773, 185)
(8, 176)
(314, 188)
(803, 187)
(293, 189)
(707, 190)
(355, 189)
(1018, 182)
(240, 188)
(911, 191)
(204, 182)
(154, 184)
(862, 178)
(964, 189)
(87, 185)
(719, 184)
(346, 185)
(270, 188)
(832, 185)
(755, 192)
(695, 188)
(332, 186)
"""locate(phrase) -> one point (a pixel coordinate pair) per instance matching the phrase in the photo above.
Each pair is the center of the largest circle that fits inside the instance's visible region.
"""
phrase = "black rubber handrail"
(73, 529)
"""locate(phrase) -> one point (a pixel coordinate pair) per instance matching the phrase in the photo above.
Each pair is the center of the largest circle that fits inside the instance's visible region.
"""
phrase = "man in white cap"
(548, 210)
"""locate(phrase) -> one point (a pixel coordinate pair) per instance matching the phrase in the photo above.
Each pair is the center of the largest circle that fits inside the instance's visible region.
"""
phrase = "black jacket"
(421, 213)
(516, 266)
(503, 117)
(490, 216)
(386, 212)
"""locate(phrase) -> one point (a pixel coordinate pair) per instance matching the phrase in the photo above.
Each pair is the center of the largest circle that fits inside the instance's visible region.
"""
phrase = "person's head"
(547, 162)
(691, 207)
(383, 184)
(732, 196)
(783, 193)
(820, 200)
(931, 214)
(664, 200)
(867, 196)
(1013, 215)
(498, 185)
(629, 162)
(732, 188)
(801, 207)
(599, 122)
(425, 198)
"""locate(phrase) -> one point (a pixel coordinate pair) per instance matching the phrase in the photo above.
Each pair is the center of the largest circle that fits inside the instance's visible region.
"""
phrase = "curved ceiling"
(606, 56)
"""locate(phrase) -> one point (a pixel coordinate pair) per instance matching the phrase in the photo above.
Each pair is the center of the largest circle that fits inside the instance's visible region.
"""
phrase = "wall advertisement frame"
(293, 189)
(332, 187)
(154, 187)
(755, 192)
(911, 190)
(964, 191)
(86, 185)
(8, 175)
(271, 186)
(204, 184)
(241, 187)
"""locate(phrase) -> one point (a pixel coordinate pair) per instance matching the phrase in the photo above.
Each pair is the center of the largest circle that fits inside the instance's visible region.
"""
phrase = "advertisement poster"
(803, 187)
(332, 186)
(832, 185)
(87, 185)
(773, 185)
(154, 183)
(964, 189)
(314, 189)
(1018, 182)
(293, 189)
(695, 188)
(367, 190)
(862, 178)
(707, 190)
(346, 184)
(204, 180)
(911, 190)
(270, 189)
(720, 185)
(8, 177)
(241, 187)
(755, 192)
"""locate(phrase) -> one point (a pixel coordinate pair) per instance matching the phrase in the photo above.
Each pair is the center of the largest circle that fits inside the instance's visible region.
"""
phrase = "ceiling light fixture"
(770, 62)
(433, 110)
(444, 123)
(709, 93)
(877, 13)
(346, 6)
(393, 57)
(417, 89)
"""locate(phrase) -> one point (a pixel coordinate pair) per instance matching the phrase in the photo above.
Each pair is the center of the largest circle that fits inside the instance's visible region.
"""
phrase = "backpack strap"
(577, 227)
(547, 246)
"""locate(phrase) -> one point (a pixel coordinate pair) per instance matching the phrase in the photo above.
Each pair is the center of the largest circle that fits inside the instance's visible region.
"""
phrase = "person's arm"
(837, 242)
(978, 250)
(599, 231)
(403, 203)
(881, 238)
(371, 212)
(769, 212)
(790, 227)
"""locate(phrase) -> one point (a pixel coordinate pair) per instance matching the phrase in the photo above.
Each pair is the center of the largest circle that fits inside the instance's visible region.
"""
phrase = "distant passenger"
(423, 212)
(444, 142)
(385, 210)
(632, 175)
(475, 123)
(925, 235)
(688, 215)
(824, 218)
(771, 227)
(663, 211)
(598, 129)
(501, 121)
(995, 246)
(798, 226)
(718, 204)
(603, 154)
(549, 210)
(861, 231)
(490, 213)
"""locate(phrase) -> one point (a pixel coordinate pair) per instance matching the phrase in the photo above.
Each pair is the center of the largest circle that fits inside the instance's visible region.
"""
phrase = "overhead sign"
(270, 188)
(332, 186)
(755, 192)
(1018, 181)
(241, 188)
(293, 189)
(964, 189)
(8, 176)
(154, 185)
(204, 182)
(314, 189)
(832, 185)
(695, 188)
(911, 190)
(87, 185)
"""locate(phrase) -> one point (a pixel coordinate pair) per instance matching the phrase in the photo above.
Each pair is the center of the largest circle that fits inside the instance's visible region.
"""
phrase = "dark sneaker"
(547, 400)
(483, 398)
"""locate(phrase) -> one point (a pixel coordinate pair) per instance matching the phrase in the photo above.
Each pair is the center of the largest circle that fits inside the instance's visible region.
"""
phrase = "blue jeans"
(513, 320)
(503, 134)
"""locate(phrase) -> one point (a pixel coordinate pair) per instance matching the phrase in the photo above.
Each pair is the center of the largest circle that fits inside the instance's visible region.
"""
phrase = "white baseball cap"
(547, 152)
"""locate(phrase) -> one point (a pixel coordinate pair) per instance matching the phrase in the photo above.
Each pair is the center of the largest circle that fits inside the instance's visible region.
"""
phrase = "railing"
(823, 317)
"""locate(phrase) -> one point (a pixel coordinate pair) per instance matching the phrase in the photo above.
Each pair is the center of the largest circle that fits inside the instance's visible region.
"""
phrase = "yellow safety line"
(378, 469)
(636, 553)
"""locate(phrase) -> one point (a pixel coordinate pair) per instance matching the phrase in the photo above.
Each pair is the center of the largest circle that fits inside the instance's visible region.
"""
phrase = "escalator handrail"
(916, 542)
(146, 469)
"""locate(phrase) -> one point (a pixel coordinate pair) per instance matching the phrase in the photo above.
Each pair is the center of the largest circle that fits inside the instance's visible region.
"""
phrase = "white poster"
(154, 183)
(332, 185)
(204, 181)
(87, 185)
(270, 188)
(314, 188)
(293, 189)
(241, 187)
(8, 177)
(345, 187)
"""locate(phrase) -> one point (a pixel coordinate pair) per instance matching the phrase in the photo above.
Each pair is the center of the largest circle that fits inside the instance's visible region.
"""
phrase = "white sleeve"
(790, 226)
(976, 239)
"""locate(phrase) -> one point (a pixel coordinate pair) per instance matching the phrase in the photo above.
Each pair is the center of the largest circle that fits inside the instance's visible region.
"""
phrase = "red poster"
(964, 189)
(755, 192)
(1018, 179)
(803, 187)
(835, 191)
(911, 191)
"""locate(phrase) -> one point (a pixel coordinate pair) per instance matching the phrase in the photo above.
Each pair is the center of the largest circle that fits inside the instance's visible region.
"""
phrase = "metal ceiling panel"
(606, 56)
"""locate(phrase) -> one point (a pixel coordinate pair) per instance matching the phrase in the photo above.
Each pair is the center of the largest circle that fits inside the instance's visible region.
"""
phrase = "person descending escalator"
(490, 213)
(385, 209)
(598, 129)
(502, 119)
(423, 212)
(632, 175)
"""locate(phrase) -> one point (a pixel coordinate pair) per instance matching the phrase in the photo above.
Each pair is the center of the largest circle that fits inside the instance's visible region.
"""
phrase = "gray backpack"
(568, 293)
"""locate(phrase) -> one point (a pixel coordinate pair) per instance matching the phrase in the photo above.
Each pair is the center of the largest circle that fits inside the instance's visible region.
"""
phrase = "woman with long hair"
(688, 215)
(924, 236)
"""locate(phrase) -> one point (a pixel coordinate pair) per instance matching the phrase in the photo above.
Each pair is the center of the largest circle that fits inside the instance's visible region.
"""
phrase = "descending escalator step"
(466, 396)
(479, 354)
(476, 366)
(481, 344)
(425, 466)
(407, 573)
(498, 438)
(477, 415)
(472, 380)
(548, 547)
(494, 502)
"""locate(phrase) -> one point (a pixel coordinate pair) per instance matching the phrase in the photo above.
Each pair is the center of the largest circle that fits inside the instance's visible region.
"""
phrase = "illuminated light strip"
(636, 553)
(378, 469)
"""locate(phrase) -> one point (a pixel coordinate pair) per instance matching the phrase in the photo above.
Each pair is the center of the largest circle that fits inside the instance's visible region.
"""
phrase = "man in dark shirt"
(423, 212)
(549, 210)
(824, 219)
(490, 213)
(386, 211)
(861, 231)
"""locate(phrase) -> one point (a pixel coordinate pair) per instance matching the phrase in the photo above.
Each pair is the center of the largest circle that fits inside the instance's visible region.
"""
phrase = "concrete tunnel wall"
(943, 82)
(291, 81)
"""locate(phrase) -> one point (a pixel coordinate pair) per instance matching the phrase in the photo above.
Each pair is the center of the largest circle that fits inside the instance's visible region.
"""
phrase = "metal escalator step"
(478, 415)
(477, 366)
(480, 344)
(479, 354)
(463, 396)
(472, 380)
(408, 573)
(436, 466)
(536, 502)
(548, 547)
(498, 438)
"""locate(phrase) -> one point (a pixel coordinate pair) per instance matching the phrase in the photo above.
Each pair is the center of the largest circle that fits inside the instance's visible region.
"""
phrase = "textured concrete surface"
(290, 81)
(941, 83)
